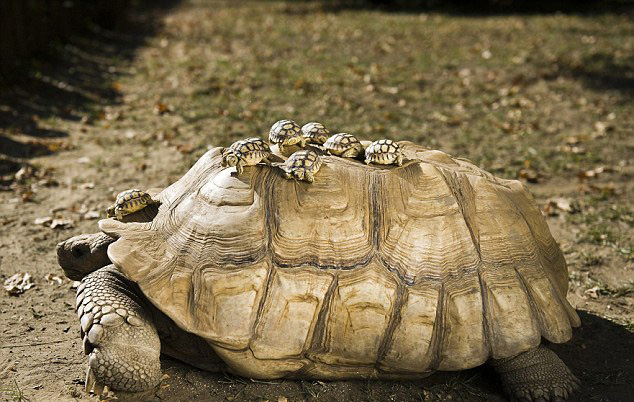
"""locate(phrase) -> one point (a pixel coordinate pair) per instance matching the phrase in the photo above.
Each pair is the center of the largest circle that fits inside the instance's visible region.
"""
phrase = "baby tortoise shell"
(315, 133)
(247, 152)
(129, 201)
(384, 152)
(302, 165)
(344, 145)
(286, 132)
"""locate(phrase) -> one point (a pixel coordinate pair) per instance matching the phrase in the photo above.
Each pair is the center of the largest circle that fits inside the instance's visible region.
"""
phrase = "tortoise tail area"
(521, 279)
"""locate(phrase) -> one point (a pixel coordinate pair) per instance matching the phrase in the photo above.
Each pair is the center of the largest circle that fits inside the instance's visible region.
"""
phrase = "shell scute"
(361, 308)
(294, 301)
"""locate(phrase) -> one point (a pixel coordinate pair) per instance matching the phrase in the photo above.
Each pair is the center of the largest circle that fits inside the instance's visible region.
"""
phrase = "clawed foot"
(536, 375)
(555, 391)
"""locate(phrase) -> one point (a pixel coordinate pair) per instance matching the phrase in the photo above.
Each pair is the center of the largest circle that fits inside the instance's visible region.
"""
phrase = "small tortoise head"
(110, 212)
(230, 159)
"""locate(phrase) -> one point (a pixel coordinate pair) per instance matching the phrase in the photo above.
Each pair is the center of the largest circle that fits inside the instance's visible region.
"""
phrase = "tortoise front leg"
(536, 375)
(118, 333)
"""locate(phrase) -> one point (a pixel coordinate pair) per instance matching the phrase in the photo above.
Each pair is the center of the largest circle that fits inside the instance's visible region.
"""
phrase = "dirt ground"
(547, 99)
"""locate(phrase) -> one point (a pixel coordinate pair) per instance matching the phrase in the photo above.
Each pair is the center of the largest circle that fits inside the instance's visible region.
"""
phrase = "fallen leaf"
(61, 224)
(83, 160)
(92, 215)
(592, 172)
(161, 108)
(46, 220)
(51, 278)
(554, 205)
(528, 174)
(18, 283)
(87, 186)
(595, 292)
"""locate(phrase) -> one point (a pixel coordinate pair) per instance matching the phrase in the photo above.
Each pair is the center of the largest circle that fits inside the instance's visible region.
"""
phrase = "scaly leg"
(536, 375)
(118, 334)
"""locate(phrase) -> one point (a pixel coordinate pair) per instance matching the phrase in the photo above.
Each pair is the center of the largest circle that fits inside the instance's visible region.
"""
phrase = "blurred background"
(108, 95)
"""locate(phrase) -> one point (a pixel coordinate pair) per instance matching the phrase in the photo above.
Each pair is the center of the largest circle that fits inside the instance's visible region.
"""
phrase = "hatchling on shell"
(367, 273)
(315, 133)
(286, 133)
(384, 152)
(302, 165)
(344, 145)
(247, 152)
(129, 201)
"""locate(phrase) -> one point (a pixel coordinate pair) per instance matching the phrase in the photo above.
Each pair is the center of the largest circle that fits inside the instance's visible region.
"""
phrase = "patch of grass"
(463, 387)
(15, 393)
(312, 389)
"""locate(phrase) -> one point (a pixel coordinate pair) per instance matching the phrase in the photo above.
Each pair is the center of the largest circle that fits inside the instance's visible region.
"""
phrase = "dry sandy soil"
(547, 99)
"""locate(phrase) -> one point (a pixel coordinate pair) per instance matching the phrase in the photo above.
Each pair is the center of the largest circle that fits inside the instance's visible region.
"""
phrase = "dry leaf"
(46, 220)
(161, 108)
(592, 172)
(61, 224)
(51, 278)
(595, 292)
(528, 174)
(554, 205)
(18, 283)
(92, 215)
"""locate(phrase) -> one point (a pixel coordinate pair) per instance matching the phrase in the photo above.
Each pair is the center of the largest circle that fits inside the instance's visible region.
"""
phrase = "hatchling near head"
(344, 145)
(129, 201)
(315, 133)
(368, 273)
(302, 165)
(384, 152)
(286, 133)
(247, 152)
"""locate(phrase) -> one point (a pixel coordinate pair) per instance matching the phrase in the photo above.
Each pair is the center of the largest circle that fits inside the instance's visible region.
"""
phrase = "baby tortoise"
(384, 152)
(344, 145)
(286, 132)
(129, 201)
(247, 152)
(302, 165)
(315, 133)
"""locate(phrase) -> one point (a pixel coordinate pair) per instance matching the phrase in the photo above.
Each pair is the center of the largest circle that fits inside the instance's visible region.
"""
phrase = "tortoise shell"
(344, 144)
(435, 265)
(128, 202)
(302, 165)
(384, 152)
(285, 132)
(239, 146)
(315, 133)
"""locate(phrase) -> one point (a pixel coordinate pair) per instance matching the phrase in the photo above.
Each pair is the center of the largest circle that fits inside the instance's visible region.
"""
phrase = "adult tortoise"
(369, 272)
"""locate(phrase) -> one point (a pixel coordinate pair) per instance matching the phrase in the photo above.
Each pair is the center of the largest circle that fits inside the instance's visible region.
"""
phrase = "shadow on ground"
(600, 354)
(485, 7)
(69, 81)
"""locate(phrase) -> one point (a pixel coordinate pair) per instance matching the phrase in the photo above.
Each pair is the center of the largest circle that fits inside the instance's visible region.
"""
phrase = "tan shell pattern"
(435, 265)
(283, 130)
(301, 163)
(130, 201)
(383, 152)
(316, 133)
(256, 143)
(344, 144)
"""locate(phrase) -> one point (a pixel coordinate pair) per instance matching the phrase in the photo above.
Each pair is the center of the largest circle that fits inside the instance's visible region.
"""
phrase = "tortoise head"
(83, 254)
(230, 159)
